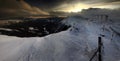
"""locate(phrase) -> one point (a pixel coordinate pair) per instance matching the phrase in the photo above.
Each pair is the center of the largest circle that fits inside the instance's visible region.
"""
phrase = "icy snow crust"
(78, 43)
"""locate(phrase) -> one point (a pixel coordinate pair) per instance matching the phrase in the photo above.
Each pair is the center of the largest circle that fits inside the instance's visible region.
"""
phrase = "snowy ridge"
(96, 28)
(78, 43)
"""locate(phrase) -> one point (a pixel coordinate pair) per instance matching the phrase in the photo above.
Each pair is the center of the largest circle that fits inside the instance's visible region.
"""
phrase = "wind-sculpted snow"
(78, 43)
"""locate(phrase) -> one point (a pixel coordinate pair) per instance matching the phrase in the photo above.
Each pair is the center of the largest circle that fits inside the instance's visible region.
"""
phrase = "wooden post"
(99, 48)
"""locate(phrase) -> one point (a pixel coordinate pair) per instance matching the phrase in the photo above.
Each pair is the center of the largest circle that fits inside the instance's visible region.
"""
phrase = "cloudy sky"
(43, 7)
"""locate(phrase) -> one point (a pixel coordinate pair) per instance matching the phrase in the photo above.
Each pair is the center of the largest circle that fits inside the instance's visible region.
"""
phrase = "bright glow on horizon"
(79, 6)
(75, 8)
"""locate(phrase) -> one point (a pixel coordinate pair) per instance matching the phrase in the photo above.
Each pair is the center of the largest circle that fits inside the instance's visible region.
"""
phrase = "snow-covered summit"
(78, 43)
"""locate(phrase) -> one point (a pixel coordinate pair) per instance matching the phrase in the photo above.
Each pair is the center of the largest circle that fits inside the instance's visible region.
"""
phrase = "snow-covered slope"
(78, 43)
(108, 30)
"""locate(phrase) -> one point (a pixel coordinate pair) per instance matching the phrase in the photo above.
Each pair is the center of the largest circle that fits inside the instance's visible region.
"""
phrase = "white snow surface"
(78, 43)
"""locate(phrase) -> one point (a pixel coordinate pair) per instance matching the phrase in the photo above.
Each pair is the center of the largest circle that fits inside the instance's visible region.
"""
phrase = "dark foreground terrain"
(33, 27)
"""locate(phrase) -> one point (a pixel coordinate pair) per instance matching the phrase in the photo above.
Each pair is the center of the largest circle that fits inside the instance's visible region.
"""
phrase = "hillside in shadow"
(34, 27)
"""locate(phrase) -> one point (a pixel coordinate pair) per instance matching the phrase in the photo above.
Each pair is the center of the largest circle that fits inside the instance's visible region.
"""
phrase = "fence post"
(99, 48)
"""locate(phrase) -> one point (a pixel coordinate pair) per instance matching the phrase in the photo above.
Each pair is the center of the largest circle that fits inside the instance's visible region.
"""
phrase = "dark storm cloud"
(50, 4)
(8, 4)
(18, 8)
(46, 4)
(101, 1)
(42, 6)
